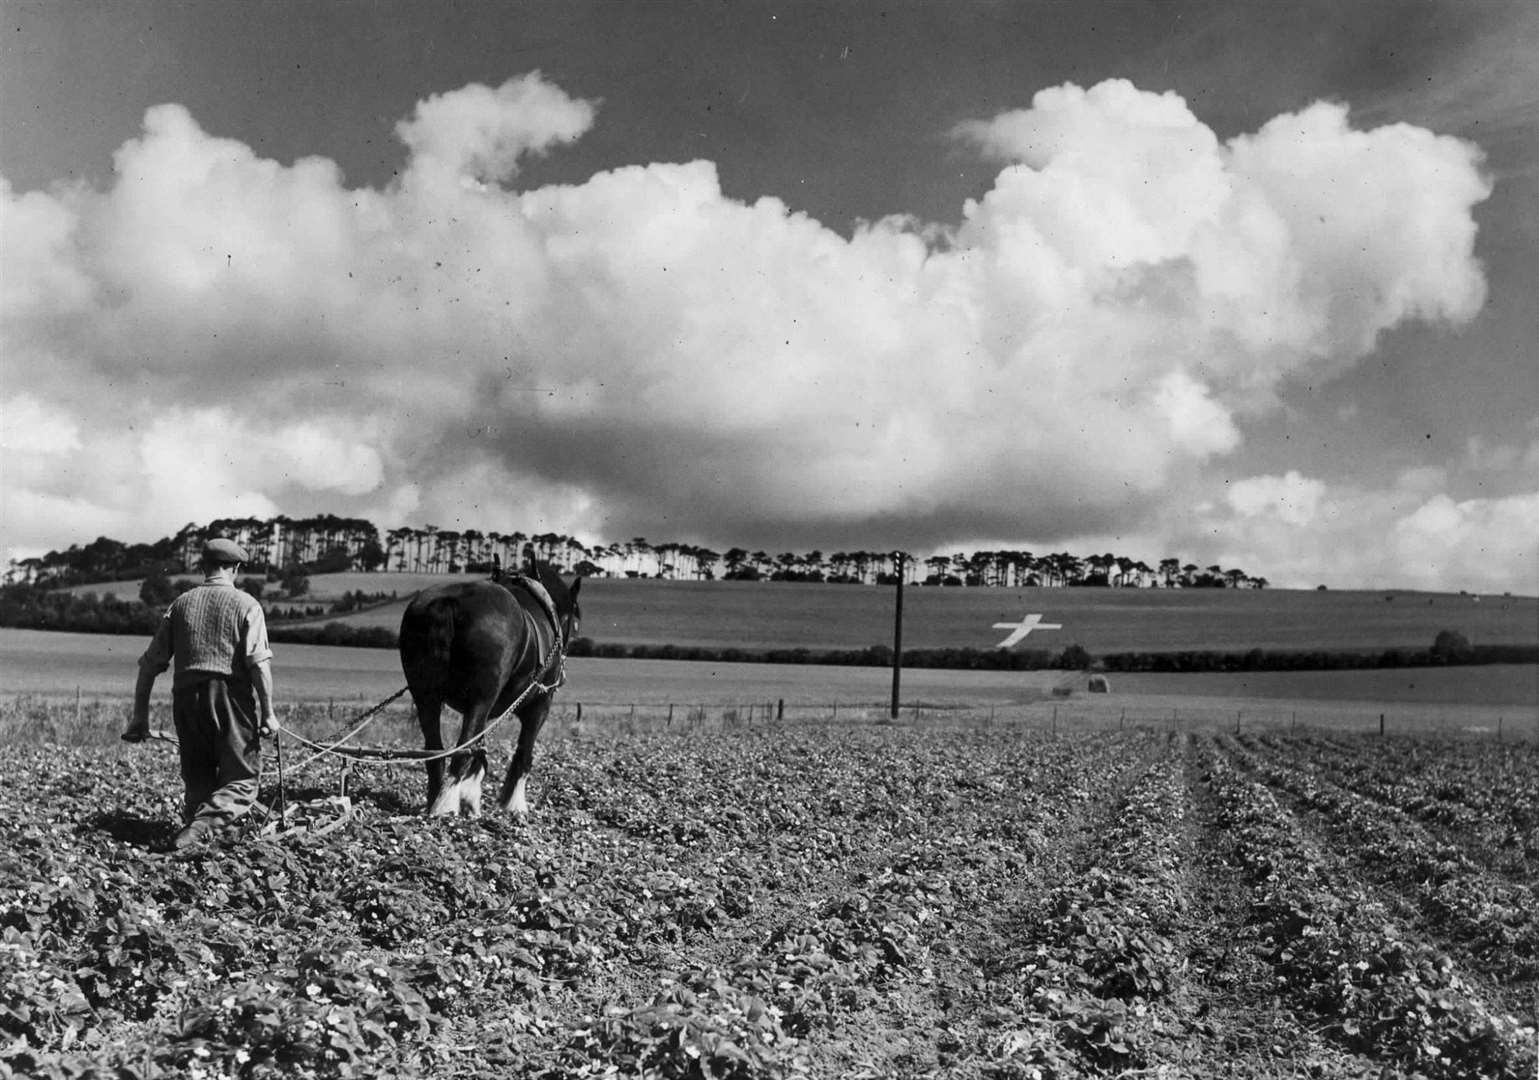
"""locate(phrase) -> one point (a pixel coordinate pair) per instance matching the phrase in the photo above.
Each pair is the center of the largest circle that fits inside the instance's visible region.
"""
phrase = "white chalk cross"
(1021, 629)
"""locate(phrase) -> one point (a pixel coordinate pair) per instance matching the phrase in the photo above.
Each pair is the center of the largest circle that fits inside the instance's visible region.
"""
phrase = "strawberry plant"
(781, 901)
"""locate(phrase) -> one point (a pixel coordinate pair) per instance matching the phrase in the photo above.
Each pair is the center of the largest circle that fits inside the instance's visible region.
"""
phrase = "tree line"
(328, 544)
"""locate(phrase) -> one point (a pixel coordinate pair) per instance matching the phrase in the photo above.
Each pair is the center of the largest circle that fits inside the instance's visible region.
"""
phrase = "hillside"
(754, 614)
(1101, 620)
(782, 615)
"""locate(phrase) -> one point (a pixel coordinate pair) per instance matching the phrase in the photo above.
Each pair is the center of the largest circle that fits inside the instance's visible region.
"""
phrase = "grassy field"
(781, 615)
(759, 615)
(56, 670)
(784, 615)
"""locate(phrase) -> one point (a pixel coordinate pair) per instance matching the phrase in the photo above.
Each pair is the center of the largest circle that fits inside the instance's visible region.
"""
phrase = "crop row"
(1338, 953)
(646, 922)
(1485, 795)
(1102, 948)
(852, 901)
(1496, 920)
(968, 827)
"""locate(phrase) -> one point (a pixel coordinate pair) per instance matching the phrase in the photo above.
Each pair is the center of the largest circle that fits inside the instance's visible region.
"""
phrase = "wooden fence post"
(1381, 724)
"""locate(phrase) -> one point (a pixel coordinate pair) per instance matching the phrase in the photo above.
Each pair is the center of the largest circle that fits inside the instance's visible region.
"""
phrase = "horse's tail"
(427, 633)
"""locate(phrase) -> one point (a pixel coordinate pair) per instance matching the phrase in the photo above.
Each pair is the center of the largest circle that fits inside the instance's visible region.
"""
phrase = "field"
(97, 671)
(819, 899)
(749, 871)
(783, 615)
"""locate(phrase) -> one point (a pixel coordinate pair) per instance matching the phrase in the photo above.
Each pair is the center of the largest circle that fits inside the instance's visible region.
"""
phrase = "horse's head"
(563, 595)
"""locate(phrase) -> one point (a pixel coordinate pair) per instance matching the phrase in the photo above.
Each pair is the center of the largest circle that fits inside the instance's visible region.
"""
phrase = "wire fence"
(80, 721)
(606, 719)
(1518, 723)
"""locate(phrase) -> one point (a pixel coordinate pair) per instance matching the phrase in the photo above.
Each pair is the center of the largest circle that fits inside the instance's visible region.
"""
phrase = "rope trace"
(376, 755)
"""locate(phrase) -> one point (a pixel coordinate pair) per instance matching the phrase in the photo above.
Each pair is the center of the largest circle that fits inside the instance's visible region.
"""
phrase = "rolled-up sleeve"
(158, 656)
(253, 638)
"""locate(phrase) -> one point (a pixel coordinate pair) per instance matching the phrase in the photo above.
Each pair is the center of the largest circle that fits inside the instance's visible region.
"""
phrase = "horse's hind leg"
(429, 710)
(470, 787)
(512, 798)
(461, 791)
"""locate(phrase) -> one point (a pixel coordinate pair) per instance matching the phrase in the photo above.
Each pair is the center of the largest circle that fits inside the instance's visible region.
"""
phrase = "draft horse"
(482, 647)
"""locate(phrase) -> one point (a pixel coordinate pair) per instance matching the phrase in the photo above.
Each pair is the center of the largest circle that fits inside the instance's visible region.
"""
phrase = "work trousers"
(216, 726)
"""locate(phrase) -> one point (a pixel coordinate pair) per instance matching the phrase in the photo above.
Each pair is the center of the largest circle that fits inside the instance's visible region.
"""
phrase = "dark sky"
(840, 109)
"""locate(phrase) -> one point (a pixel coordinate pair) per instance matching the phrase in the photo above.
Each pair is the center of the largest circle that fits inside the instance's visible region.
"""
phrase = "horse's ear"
(529, 564)
(576, 585)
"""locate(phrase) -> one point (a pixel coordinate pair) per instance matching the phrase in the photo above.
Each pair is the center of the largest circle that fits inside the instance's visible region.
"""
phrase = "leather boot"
(195, 833)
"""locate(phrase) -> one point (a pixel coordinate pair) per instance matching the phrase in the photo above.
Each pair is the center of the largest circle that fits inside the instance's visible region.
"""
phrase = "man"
(221, 694)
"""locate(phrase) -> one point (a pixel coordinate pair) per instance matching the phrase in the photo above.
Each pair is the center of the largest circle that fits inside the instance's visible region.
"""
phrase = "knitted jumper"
(213, 629)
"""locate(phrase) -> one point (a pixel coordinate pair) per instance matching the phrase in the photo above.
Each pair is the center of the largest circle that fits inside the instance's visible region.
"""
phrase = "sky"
(1240, 283)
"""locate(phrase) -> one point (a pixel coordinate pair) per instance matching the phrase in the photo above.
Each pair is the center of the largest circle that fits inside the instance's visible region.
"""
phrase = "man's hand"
(270, 726)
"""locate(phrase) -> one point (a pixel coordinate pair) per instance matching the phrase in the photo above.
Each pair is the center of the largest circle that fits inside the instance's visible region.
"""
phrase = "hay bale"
(1099, 684)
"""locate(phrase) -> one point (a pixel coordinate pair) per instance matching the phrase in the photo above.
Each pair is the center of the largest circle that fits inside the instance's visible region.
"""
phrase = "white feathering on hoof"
(448, 802)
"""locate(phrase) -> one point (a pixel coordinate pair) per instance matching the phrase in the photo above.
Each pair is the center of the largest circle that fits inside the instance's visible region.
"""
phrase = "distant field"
(52, 666)
(1494, 684)
(1102, 620)
(783, 615)
(323, 587)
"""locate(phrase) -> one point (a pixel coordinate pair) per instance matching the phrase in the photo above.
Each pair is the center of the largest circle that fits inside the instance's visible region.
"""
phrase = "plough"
(318, 817)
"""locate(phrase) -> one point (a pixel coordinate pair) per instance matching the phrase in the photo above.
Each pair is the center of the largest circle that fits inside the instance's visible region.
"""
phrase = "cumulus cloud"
(30, 428)
(1292, 499)
(639, 354)
(1494, 542)
(1301, 531)
(482, 133)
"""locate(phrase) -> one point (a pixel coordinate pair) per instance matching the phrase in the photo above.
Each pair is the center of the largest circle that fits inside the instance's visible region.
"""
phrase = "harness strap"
(554, 660)
(536, 589)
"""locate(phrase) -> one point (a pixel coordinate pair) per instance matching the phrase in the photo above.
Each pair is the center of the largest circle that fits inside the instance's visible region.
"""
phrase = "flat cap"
(224, 550)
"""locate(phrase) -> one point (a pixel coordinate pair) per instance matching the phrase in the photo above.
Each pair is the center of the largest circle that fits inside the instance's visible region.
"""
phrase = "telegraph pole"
(897, 634)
